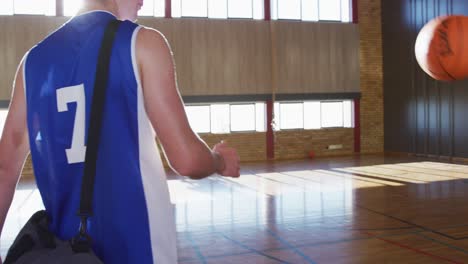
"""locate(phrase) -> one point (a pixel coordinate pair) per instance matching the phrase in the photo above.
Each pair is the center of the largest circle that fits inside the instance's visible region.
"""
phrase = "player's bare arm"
(186, 152)
(14, 146)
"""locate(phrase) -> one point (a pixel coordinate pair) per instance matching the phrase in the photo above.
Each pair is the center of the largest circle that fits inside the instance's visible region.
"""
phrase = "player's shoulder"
(150, 37)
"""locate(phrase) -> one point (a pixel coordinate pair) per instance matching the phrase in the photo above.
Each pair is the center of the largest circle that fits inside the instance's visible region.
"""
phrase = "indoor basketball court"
(351, 151)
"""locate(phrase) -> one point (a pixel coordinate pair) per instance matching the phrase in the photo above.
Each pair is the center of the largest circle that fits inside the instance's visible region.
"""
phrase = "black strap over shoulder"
(94, 132)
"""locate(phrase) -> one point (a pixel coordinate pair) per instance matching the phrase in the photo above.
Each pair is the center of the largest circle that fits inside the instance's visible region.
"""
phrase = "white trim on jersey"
(160, 210)
(25, 58)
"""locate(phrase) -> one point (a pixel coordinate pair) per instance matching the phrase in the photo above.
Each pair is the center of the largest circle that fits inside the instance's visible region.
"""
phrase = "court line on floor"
(291, 247)
(196, 248)
(416, 250)
(251, 249)
(443, 243)
(315, 244)
(215, 231)
(411, 223)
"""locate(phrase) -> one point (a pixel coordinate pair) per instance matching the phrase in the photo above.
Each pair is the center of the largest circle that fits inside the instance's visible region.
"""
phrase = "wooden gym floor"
(343, 210)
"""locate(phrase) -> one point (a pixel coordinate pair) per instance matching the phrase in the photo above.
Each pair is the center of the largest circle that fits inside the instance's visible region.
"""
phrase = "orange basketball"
(442, 48)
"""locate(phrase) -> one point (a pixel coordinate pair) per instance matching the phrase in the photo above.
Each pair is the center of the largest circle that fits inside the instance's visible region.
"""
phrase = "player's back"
(133, 218)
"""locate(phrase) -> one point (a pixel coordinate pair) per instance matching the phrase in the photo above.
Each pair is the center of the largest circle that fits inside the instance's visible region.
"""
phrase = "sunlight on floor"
(415, 172)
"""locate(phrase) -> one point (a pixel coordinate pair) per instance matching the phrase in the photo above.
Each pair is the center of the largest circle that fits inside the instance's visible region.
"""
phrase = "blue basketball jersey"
(133, 219)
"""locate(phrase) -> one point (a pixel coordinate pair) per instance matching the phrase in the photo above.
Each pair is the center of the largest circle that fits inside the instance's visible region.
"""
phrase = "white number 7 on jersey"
(77, 152)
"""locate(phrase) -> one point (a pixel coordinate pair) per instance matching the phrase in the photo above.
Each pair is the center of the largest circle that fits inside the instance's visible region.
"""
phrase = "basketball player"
(133, 218)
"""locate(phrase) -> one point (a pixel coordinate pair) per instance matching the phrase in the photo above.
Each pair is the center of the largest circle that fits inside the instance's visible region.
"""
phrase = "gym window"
(312, 10)
(153, 8)
(302, 10)
(199, 118)
(71, 7)
(223, 118)
(27, 7)
(222, 9)
(314, 115)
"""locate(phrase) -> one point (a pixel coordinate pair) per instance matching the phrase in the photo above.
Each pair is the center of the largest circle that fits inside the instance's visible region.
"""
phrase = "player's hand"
(231, 160)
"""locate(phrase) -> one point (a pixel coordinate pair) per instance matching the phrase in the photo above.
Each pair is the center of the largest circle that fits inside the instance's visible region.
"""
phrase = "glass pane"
(289, 9)
(260, 119)
(30, 7)
(346, 10)
(159, 8)
(6, 7)
(240, 8)
(71, 7)
(276, 117)
(176, 8)
(292, 115)
(220, 118)
(217, 8)
(50, 8)
(274, 9)
(312, 115)
(258, 9)
(348, 113)
(199, 118)
(243, 117)
(332, 114)
(147, 9)
(330, 10)
(310, 10)
(194, 8)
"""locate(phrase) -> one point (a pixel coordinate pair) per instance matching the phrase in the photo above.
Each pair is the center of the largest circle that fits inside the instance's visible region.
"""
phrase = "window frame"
(326, 20)
(13, 12)
(290, 103)
(230, 117)
(342, 113)
(268, 7)
(277, 119)
(209, 115)
(230, 104)
(274, 3)
(233, 17)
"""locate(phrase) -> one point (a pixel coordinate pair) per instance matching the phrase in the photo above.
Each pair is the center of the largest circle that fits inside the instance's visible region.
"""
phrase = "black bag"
(35, 244)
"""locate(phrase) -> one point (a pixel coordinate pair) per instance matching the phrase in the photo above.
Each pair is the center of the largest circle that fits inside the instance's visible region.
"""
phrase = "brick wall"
(251, 146)
(372, 127)
(292, 144)
(297, 144)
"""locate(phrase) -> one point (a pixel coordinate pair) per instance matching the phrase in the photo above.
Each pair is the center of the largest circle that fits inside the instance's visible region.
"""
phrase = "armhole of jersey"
(25, 59)
(136, 69)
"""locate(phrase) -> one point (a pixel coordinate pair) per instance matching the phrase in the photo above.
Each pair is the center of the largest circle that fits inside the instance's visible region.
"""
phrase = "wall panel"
(225, 57)
(422, 115)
